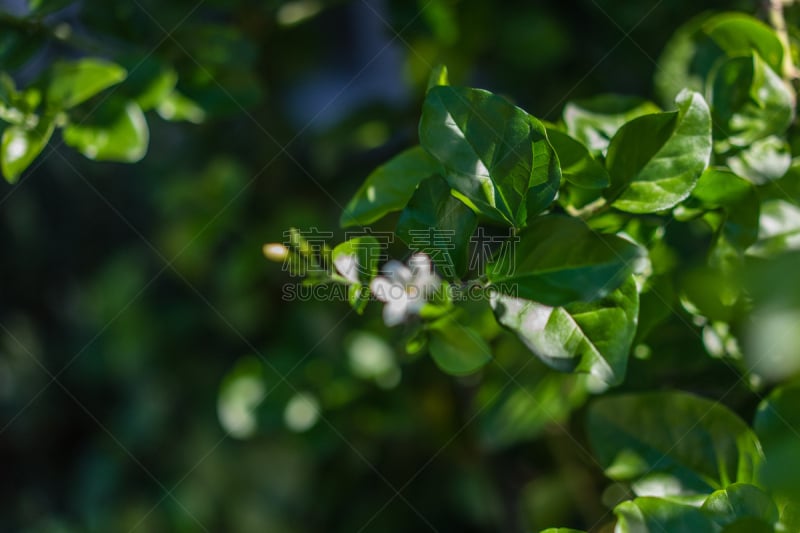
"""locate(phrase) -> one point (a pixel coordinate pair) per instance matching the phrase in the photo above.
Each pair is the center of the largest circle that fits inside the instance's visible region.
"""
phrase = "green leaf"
(577, 164)
(507, 414)
(559, 260)
(721, 190)
(497, 157)
(595, 121)
(457, 349)
(561, 530)
(698, 46)
(356, 260)
(20, 146)
(436, 223)
(657, 515)
(389, 187)
(765, 160)
(738, 501)
(779, 229)
(438, 76)
(750, 102)
(177, 107)
(738, 34)
(71, 83)
(777, 424)
(703, 444)
(655, 160)
(116, 131)
(593, 337)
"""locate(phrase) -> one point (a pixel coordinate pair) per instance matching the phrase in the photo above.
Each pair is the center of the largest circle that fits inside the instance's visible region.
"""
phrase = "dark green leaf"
(577, 164)
(20, 146)
(655, 160)
(595, 121)
(457, 349)
(75, 82)
(738, 501)
(389, 187)
(657, 515)
(736, 198)
(559, 260)
(704, 445)
(496, 156)
(436, 223)
(777, 424)
(116, 131)
(509, 414)
(750, 102)
(593, 337)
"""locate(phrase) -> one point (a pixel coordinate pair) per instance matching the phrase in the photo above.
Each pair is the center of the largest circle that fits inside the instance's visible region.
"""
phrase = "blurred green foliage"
(151, 376)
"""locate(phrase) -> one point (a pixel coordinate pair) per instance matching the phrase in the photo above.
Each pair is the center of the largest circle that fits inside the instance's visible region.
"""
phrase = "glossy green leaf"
(750, 102)
(577, 164)
(389, 187)
(698, 46)
(436, 223)
(595, 121)
(738, 34)
(71, 83)
(593, 337)
(765, 160)
(701, 443)
(655, 160)
(496, 157)
(457, 349)
(740, 500)
(356, 260)
(20, 146)
(559, 260)
(777, 424)
(657, 515)
(117, 131)
(779, 229)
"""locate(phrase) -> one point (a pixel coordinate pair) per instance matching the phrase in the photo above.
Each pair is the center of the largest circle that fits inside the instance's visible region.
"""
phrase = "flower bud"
(275, 252)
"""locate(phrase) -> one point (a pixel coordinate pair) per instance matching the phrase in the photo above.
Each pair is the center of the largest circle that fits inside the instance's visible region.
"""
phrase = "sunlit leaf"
(657, 515)
(389, 187)
(593, 337)
(117, 131)
(20, 146)
(655, 160)
(496, 156)
(71, 83)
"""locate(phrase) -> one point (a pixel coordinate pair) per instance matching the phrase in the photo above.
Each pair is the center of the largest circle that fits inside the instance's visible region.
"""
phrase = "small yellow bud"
(275, 252)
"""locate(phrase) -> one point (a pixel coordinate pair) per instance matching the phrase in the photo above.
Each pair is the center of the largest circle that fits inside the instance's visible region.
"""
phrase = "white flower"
(347, 266)
(405, 289)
